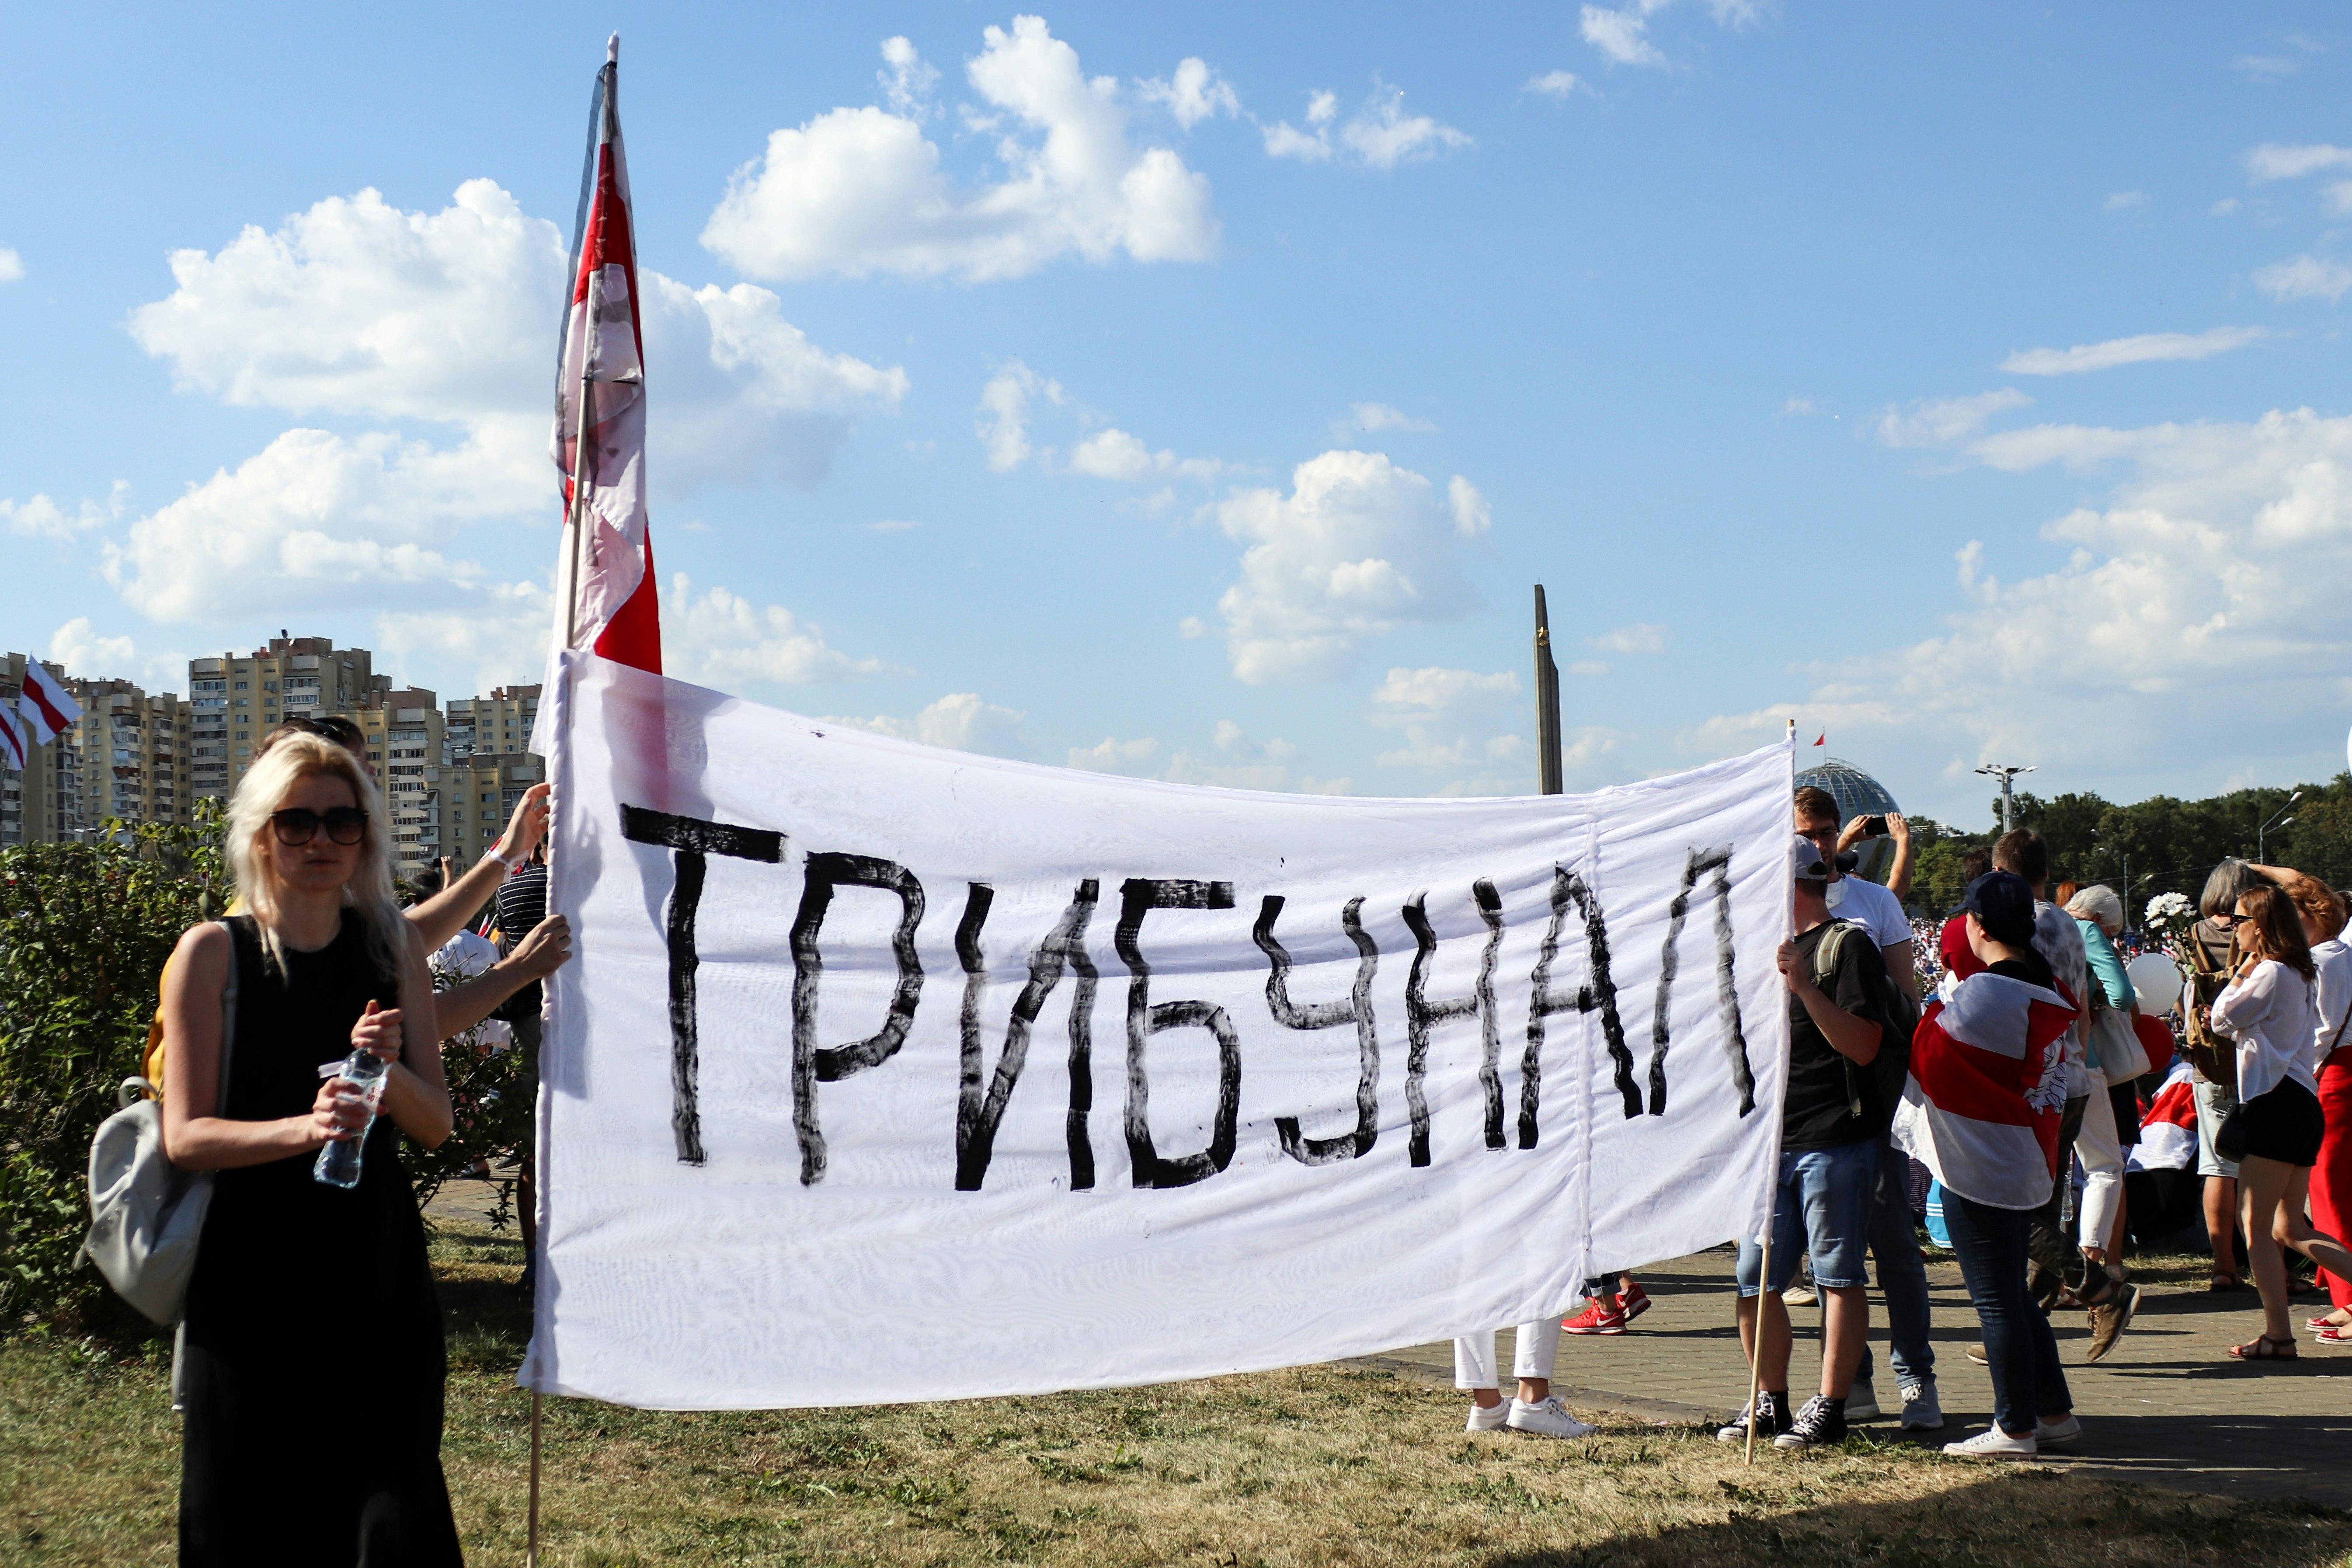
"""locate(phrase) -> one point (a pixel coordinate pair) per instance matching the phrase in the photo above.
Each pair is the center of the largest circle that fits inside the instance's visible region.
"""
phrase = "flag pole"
(578, 509)
(530, 1544)
(1764, 1269)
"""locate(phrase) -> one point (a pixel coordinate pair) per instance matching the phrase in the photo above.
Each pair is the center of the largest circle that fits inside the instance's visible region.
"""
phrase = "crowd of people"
(2010, 1114)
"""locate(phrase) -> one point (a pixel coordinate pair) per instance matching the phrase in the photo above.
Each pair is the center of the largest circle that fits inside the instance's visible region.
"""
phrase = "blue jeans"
(1822, 1207)
(1902, 1274)
(2026, 1380)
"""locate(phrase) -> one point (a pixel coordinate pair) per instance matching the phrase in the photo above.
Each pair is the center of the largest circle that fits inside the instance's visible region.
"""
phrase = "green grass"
(1321, 1466)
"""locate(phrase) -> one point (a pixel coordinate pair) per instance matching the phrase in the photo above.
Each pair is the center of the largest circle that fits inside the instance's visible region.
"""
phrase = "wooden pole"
(1547, 756)
(1764, 1272)
(530, 1545)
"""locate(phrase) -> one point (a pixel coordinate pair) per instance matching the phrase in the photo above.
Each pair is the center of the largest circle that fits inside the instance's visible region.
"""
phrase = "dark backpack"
(1878, 1087)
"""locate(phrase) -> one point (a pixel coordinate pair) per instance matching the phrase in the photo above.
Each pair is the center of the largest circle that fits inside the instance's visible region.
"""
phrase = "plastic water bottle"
(362, 1082)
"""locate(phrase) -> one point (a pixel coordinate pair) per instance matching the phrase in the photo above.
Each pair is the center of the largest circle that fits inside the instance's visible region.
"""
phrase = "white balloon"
(2157, 980)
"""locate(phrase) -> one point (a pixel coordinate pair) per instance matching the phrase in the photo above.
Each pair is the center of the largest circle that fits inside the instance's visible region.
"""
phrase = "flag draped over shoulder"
(1987, 1084)
(607, 600)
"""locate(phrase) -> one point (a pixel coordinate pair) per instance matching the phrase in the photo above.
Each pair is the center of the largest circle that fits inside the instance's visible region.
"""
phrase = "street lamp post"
(2281, 820)
(2008, 803)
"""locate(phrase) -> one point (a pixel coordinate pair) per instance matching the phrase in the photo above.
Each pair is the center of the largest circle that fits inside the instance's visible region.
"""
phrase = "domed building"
(1857, 795)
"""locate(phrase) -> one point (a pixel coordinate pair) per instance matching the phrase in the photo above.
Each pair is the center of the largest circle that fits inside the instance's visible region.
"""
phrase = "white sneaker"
(1547, 1419)
(2065, 1431)
(1992, 1442)
(1488, 1418)
(1922, 1411)
(1861, 1401)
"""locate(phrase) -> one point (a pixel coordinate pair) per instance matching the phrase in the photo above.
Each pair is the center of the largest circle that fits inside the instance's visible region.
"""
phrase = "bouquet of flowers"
(2171, 917)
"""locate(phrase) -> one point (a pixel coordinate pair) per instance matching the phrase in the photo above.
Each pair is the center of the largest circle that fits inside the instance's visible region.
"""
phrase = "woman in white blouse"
(2268, 1010)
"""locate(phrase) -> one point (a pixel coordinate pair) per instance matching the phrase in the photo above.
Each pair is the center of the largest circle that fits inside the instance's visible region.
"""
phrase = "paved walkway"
(2167, 1406)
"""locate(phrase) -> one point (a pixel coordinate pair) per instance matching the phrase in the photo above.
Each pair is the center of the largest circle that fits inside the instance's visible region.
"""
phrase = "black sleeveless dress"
(312, 1362)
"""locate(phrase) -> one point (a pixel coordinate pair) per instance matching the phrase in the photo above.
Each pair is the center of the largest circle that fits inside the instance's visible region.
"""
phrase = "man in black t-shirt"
(1830, 1128)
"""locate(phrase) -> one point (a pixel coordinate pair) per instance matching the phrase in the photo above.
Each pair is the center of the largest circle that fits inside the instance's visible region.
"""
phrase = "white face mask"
(1835, 893)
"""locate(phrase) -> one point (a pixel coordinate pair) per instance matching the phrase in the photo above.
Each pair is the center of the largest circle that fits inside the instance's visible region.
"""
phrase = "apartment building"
(237, 700)
(135, 752)
(41, 804)
(498, 724)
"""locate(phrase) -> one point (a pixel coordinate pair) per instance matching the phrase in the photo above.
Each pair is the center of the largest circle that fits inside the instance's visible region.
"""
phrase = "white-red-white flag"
(606, 599)
(16, 737)
(1988, 1080)
(46, 703)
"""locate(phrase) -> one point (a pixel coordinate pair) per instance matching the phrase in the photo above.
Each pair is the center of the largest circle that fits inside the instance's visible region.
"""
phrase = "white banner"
(885, 1073)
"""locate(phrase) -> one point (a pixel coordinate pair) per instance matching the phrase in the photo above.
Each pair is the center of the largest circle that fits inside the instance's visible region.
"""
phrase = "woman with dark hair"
(2269, 1011)
(312, 1350)
(2213, 1085)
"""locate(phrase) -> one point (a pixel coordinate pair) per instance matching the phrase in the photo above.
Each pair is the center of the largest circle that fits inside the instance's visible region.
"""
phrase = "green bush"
(84, 931)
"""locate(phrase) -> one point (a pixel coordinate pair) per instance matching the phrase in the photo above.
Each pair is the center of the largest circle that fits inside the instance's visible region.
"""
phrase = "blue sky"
(1089, 386)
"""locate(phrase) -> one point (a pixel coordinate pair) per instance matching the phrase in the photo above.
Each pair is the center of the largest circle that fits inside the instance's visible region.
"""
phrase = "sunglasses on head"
(299, 824)
(342, 731)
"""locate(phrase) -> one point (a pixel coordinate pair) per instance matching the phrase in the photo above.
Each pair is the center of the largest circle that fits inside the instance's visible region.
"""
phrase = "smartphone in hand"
(1874, 828)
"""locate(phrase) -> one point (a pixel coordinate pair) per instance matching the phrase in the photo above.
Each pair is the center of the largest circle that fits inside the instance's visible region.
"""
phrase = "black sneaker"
(1820, 1425)
(1775, 1409)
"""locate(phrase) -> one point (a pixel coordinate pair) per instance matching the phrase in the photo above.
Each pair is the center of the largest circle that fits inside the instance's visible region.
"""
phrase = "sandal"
(2261, 1347)
(2326, 1321)
(2334, 1336)
(2220, 1283)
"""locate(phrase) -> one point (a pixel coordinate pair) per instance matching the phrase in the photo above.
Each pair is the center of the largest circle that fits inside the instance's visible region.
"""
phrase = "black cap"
(1805, 860)
(2002, 902)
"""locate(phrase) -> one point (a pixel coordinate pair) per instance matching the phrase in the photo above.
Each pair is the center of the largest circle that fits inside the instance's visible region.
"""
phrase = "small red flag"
(1824, 739)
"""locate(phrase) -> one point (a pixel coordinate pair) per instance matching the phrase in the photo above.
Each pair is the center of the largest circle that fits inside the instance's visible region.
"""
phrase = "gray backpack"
(146, 1214)
(1880, 1085)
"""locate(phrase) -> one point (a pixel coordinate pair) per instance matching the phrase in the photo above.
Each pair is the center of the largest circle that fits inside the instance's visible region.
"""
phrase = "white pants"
(1539, 1347)
(2103, 1166)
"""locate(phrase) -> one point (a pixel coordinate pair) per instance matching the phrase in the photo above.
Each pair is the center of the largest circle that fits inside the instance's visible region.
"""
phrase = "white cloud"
(330, 522)
(2124, 201)
(12, 266)
(1113, 454)
(2210, 582)
(498, 636)
(1640, 637)
(724, 640)
(1942, 421)
(1311, 145)
(1004, 426)
(1239, 761)
(907, 80)
(1797, 405)
(859, 191)
(1114, 755)
(356, 307)
(2277, 161)
(1196, 93)
(2223, 207)
(2139, 350)
(958, 721)
(1457, 722)
(1624, 35)
(889, 525)
(2305, 278)
(1381, 135)
(1554, 84)
(85, 653)
(1368, 416)
(1359, 548)
(1591, 667)
(44, 519)
(2267, 68)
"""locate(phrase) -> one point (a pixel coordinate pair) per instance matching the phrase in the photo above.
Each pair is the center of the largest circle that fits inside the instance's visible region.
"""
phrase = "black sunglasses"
(299, 824)
(342, 731)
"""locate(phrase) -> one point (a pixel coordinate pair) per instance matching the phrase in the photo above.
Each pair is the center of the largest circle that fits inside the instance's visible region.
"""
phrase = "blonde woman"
(312, 1361)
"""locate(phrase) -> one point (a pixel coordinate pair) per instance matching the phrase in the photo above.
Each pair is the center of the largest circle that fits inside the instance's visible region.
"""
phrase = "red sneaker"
(1633, 1302)
(1598, 1317)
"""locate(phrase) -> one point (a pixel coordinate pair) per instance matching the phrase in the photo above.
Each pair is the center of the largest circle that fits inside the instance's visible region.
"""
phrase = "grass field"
(1319, 1466)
